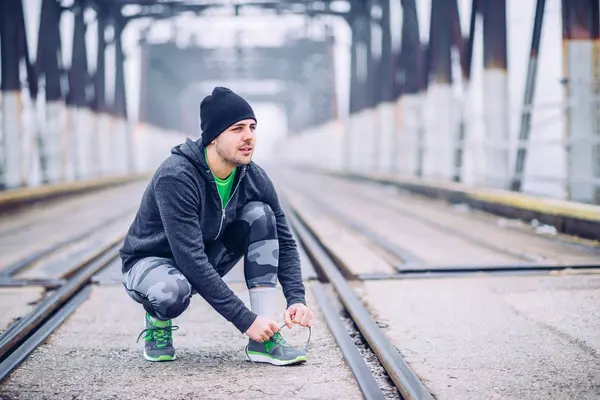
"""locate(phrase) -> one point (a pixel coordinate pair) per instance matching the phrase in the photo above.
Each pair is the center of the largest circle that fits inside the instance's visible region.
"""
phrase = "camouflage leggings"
(165, 293)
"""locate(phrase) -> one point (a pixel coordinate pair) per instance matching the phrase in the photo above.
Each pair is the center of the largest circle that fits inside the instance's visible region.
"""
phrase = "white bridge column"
(440, 134)
(385, 114)
(104, 134)
(583, 121)
(12, 130)
(411, 134)
(497, 133)
(54, 142)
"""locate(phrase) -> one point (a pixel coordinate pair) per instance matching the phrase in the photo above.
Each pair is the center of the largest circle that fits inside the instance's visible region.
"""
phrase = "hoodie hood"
(193, 151)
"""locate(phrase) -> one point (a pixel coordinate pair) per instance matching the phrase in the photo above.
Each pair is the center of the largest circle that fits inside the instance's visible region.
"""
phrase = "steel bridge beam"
(581, 32)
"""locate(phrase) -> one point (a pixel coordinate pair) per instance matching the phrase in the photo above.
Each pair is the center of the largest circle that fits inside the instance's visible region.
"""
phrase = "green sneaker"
(159, 340)
(275, 351)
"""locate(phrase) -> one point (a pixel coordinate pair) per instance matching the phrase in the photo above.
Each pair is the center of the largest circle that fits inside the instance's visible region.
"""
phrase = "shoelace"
(283, 340)
(159, 334)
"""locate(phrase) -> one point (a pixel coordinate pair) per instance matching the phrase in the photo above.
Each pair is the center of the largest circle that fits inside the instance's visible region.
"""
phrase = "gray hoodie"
(181, 212)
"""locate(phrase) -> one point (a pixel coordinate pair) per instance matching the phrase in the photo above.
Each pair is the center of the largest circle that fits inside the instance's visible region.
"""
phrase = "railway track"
(63, 295)
(8, 272)
(35, 235)
(358, 335)
(22, 337)
(414, 266)
(408, 385)
(411, 265)
(378, 367)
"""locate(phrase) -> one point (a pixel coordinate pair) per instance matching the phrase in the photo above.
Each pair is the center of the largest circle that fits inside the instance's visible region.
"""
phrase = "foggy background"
(220, 28)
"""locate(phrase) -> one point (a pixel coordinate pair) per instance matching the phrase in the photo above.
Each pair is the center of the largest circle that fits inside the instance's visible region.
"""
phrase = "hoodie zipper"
(223, 207)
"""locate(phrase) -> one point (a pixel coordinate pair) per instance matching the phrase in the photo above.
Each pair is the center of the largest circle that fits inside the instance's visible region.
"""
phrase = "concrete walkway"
(94, 355)
(476, 336)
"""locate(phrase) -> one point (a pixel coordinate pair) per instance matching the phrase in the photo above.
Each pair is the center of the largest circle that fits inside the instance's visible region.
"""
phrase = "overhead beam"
(78, 73)
(99, 77)
(289, 65)
(411, 74)
(167, 11)
(119, 106)
(49, 49)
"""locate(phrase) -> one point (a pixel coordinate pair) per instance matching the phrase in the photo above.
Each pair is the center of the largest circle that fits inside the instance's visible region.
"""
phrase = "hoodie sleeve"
(290, 273)
(178, 202)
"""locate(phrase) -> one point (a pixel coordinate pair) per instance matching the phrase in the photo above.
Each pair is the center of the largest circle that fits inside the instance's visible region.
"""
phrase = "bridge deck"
(466, 334)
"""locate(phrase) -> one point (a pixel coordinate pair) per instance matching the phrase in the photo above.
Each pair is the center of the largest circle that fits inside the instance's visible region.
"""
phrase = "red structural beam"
(494, 34)
(580, 19)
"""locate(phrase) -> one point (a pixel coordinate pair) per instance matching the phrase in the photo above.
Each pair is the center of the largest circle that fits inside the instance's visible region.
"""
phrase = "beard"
(231, 156)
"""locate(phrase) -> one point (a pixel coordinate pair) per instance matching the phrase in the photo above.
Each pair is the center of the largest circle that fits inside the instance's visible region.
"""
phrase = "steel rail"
(409, 259)
(361, 371)
(28, 346)
(404, 378)
(19, 331)
(19, 265)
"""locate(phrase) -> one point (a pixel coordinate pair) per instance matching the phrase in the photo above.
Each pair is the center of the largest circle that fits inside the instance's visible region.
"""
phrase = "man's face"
(236, 144)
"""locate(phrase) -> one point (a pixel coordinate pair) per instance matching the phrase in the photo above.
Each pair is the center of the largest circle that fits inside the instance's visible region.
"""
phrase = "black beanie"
(220, 110)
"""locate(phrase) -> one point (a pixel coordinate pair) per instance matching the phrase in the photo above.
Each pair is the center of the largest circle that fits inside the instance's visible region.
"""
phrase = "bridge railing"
(406, 139)
(59, 144)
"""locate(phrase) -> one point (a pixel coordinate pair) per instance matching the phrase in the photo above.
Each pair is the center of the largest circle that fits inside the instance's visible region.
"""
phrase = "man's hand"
(262, 329)
(298, 314)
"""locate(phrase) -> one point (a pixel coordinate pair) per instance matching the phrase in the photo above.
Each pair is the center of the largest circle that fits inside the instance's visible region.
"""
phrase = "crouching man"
(207, 206)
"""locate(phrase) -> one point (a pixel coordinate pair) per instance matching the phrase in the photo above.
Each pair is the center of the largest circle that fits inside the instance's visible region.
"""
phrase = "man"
(206, 206)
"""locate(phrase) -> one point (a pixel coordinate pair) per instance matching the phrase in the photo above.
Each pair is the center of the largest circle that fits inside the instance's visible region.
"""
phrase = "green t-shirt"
(224, 185)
